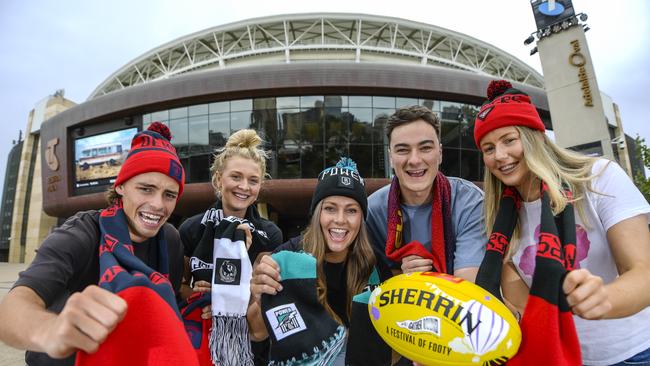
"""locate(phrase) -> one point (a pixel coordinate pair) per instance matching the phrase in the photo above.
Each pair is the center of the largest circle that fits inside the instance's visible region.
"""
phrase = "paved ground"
(8, 275)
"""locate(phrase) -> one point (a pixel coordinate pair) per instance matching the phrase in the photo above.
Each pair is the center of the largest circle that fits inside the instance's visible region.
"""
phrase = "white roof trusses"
(320, 37)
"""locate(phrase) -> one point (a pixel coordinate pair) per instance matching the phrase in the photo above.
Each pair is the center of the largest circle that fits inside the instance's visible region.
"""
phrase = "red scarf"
(548, 333)
(151, 333)
(443, 244)
(197, 328)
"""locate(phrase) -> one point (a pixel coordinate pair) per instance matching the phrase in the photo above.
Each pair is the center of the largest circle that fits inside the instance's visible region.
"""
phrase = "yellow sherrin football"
(438, 319)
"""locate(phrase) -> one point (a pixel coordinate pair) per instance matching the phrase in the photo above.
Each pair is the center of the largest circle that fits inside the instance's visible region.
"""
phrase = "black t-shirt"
(335, 280)
(68, 261)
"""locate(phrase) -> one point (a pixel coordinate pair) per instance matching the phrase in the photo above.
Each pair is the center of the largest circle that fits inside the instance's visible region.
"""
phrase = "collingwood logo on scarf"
(228, 271)
(285, 320)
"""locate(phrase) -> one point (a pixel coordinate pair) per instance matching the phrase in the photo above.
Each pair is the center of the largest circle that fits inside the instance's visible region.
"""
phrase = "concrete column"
(573, 94)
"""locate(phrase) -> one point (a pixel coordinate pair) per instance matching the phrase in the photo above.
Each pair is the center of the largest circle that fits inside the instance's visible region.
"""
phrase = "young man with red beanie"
(56, 308)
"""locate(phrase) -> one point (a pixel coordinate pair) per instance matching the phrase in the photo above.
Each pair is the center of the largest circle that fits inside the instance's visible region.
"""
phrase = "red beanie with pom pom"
(151, 151)
(506, 106)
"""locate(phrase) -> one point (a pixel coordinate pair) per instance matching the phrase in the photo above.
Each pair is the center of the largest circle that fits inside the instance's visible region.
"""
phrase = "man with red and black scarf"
(103, 286)
(423, 220)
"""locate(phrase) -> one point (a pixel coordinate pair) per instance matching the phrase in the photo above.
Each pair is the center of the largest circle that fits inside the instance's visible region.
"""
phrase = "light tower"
(574, 99)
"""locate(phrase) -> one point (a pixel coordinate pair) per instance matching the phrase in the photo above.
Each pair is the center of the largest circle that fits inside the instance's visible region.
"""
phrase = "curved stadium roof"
(320, 37)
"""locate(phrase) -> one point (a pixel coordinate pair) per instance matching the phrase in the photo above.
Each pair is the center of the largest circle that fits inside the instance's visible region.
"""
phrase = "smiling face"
(239, 184)
(148, 200)
(340, 221)
(415, 155)
(503, 155)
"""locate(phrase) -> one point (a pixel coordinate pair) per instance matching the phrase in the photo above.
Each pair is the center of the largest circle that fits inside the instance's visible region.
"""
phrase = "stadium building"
(315, 86)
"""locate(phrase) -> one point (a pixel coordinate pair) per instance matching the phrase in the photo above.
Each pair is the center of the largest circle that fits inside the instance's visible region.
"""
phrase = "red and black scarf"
(548, 333)
(151, 333)
(443, 243)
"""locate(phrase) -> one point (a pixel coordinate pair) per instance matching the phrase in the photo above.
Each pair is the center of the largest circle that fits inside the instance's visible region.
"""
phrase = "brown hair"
(405, 115)
(360, 261)
(112, 196)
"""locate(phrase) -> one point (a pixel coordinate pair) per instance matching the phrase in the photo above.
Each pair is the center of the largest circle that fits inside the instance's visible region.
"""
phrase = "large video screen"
(98, 159)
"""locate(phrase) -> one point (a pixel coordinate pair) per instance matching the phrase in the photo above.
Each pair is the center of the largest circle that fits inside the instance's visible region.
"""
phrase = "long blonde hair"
(360, 261)
(552, 164)
(243, 143)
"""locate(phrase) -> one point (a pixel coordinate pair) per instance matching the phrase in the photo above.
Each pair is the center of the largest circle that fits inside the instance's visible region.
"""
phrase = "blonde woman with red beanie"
(569, 244)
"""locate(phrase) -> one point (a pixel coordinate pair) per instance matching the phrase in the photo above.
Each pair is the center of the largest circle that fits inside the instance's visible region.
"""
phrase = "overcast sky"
(76, 44)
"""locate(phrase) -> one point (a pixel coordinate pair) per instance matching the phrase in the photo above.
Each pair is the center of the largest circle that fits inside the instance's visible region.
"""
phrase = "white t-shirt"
(603, 342)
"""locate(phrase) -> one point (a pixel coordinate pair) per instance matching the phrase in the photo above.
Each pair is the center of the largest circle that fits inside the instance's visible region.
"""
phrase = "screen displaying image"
(98, 158)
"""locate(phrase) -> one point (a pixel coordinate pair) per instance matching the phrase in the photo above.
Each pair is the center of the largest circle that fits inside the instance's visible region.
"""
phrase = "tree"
(643, 154)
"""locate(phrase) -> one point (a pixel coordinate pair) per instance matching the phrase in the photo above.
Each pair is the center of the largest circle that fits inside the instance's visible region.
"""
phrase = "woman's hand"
(249, 235)
(266, 278)
(586, 294)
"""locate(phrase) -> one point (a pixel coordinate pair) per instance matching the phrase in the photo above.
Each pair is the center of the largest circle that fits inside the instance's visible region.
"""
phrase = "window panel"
(198, 110)
(161, 116)
(219, 129)
(241, 105)
(450, 134)
(470, 165)
(380, 161)
(311, 160)
(289, 125)
(336, 101)
(265, 122)
(288, 157)
(360, 125)
(199, 168)
(405, 102)
(337, 128)
(380, 117)
(450, 162)
(240, 120)
(199, 135)
(312, 101)
(362, 155)
(334, 152)
(359, 101)
(219, 107)
(288, 103)
(433, 105)
(178, 113)
(312, 125)
(467, 126)
(180, 137)
(383, 102)
(451, 112)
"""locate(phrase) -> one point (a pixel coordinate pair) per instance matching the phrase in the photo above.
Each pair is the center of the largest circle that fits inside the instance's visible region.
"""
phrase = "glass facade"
(305, 134)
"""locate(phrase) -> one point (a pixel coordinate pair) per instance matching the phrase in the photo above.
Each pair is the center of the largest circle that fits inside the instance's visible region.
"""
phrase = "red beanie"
(506, 107)
(151, 151)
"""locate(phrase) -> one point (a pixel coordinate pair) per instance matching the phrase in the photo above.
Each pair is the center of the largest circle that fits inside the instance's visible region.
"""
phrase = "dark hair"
(405, 115)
